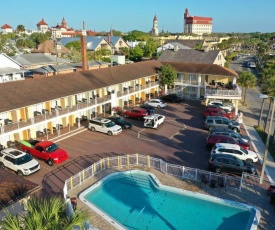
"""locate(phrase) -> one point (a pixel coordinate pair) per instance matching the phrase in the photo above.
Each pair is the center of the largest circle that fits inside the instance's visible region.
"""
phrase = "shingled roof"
(15, 95)
(209, 69)
(189, 56)
(48, 47)
(12, 185)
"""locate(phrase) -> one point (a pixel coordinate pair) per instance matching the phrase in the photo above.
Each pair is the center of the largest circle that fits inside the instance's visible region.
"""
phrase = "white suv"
(104, 125)
(153, 121)
(221, 105)
(235, 150)
(20, 162)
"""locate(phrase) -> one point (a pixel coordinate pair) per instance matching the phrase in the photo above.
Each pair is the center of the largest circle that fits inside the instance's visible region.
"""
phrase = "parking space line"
(168, 138)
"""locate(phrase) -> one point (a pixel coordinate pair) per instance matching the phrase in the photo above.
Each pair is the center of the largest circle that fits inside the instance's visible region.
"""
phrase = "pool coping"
(210, 198)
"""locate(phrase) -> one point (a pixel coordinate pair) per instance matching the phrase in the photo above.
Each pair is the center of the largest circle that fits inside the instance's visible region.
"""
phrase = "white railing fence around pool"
(178, 171)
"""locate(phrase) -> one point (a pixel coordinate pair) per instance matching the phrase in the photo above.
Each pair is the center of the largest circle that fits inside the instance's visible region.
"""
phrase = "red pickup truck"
(45, 150)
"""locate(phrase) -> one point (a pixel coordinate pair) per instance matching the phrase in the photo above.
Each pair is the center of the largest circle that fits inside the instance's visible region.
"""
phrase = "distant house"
(50, 48)
(92, 43)
(188, 42)
(10, 69)
(6, 29)
(193, 56)
(133, 44)
(39, 64)
(171, 46)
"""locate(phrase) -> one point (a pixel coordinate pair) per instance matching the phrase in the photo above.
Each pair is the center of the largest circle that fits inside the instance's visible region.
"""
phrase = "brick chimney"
(84, 49)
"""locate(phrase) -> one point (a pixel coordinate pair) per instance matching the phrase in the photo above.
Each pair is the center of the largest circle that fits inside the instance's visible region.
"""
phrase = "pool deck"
(253, 196)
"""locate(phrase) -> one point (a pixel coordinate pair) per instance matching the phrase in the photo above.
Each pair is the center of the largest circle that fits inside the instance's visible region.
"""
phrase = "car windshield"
(24, 159)
(244, 150)
(51, 148)
(239, 162)
(121, 120)
(110, 124)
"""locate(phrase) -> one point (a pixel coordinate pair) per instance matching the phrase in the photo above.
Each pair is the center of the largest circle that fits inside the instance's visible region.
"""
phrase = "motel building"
(207, 81)
(35, 107)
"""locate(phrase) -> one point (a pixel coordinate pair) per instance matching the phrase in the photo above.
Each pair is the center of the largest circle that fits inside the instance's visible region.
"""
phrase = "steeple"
(155, 30)
(64, 23)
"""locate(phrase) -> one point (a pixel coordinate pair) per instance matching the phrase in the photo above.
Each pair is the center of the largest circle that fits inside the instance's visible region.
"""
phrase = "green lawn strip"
(263, 135)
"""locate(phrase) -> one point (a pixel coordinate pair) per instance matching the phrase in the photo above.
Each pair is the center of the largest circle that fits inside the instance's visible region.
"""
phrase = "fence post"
(196, 174)
(128, 160)
(65, 190)
(80, 177)
(108, 162)
(165, 168)
(182, 175)
(148, 161)
(71, 180)
(83, 175)
(100, 164)
(118, 161)
(94, 167)
(137, 158)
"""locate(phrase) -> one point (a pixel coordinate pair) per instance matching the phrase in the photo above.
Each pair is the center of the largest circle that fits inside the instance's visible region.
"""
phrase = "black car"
(174, 98)
(150, 109)
(121, 122)
(228, 163)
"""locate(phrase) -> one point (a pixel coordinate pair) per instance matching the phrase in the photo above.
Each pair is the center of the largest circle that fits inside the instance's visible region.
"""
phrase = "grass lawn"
(263, 135)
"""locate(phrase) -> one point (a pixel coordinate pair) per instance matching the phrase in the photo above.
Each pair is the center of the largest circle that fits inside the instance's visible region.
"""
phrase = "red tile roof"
(6, 26)
(42, 22)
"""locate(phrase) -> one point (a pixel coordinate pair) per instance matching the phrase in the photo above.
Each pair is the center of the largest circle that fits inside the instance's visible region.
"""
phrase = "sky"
(228, 15)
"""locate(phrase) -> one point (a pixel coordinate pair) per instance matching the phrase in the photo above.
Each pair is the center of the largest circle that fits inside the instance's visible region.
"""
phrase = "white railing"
(178, 171)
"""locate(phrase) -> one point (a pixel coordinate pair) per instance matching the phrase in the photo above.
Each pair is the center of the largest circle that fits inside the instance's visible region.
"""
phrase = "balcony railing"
(136, 88)
(188, 82)
(224, 92)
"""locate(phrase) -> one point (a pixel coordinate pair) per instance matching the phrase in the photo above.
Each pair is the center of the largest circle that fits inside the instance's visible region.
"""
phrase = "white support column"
(236, 107)
(234, 81)
(113, 102)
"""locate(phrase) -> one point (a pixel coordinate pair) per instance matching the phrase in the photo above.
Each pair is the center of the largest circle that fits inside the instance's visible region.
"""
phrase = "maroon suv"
(217, 112)
(212, 139)
(137, 113)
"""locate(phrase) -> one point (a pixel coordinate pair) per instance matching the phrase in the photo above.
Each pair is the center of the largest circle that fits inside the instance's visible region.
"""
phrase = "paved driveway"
(180, 140)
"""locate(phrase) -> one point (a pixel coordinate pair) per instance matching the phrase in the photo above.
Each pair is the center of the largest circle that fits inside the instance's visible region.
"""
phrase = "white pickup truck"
(153, 121)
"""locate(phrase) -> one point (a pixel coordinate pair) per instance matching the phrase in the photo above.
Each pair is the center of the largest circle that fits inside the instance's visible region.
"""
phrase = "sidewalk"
(259, 146)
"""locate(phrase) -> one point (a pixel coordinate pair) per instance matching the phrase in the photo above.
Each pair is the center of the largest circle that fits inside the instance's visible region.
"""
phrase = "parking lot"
(180, 140)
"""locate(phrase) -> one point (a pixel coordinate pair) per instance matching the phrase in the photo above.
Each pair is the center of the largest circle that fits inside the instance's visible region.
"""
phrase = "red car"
(212, 139)
(45, 150)
(217, 112)
(137, 113)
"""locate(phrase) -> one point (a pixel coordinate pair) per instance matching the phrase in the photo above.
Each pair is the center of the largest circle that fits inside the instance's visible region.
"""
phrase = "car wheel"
(20, 173)
(50, 162)
(139, 118)
(109, 133)
(2, 166)
(158, 106)
(218, 170)
(157, 127)
(235, 130)
(249, 160)
(93, 129)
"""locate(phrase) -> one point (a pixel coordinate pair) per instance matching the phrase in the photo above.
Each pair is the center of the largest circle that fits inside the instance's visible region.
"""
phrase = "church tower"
(155, 30)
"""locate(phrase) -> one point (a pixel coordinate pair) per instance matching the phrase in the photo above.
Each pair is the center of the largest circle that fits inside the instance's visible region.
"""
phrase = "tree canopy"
(168, 75)
(246, 80)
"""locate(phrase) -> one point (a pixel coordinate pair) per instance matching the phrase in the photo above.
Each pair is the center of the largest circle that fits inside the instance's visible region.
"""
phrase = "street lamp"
(263, 96)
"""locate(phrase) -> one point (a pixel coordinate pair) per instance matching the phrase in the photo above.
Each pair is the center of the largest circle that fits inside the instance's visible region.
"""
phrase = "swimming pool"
(137, 200)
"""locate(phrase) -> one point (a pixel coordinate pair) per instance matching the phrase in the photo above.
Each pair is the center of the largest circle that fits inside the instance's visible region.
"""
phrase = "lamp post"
(262, 96)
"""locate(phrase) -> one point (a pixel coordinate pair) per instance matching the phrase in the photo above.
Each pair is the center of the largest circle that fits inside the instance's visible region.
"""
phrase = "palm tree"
(246, 80)
(46, 214)
(20, 29)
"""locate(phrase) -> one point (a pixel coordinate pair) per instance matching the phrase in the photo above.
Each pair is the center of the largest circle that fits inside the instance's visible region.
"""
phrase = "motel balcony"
(183, 82)
(235, 92)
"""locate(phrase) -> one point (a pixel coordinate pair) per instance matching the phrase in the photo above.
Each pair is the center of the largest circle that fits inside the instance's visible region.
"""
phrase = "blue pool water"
(136, 200)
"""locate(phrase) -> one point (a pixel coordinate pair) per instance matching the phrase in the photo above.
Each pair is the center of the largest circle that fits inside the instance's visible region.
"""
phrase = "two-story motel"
(44, 105)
